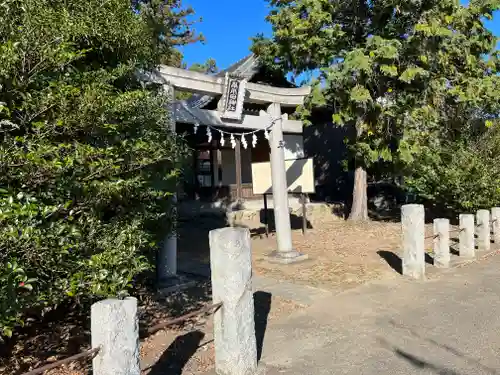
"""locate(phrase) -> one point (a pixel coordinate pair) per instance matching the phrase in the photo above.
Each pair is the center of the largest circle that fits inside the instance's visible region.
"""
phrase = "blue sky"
(228, 26)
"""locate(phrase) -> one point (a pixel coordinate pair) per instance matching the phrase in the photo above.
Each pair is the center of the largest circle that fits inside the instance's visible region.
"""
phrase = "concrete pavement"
(447, 326)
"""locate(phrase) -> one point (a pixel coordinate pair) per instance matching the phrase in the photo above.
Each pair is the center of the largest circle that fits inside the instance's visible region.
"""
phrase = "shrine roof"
(247, 68)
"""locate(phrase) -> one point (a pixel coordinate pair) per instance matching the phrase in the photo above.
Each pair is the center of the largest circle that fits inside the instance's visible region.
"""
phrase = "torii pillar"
(168, 279)
(285, 253)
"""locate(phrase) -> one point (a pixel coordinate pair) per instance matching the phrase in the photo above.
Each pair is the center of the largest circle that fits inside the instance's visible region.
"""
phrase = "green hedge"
(87, 160)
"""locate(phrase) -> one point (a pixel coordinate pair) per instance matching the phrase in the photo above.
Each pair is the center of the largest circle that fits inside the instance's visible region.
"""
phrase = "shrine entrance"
(221, 172)
(227, 118)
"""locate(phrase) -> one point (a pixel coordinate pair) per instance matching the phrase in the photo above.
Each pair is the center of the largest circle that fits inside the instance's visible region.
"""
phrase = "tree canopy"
(404, 74)
(87, 158)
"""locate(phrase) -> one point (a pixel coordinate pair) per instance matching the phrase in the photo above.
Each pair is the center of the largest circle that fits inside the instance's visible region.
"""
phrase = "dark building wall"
(334, 172)
(325, 142)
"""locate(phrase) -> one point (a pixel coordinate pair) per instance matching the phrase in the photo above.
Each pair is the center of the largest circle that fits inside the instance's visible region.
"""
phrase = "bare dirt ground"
(182, 349)
(342, 254)
(190, 350)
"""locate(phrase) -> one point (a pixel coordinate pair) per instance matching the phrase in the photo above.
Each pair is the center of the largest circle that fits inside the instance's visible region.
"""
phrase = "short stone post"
(466, 237)
(442, 243)
(483, 230)
(495, 224)
(115, 329)
(413, 225)
(234, 322)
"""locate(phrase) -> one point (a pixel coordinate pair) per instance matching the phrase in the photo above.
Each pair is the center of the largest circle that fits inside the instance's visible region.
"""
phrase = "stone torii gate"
(234, 91)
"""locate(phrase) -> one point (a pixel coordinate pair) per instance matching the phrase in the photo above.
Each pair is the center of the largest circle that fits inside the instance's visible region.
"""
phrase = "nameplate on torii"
(233, 98)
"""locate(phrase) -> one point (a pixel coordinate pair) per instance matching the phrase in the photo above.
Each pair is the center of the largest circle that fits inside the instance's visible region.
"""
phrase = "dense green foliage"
(459, 175)
(407, 74)
(87, 160)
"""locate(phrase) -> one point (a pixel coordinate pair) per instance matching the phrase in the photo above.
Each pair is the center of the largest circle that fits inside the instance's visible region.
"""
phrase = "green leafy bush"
(87, 161)
(462, 175)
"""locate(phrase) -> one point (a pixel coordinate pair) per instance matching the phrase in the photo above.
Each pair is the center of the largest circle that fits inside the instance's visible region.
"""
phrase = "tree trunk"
(359, 209)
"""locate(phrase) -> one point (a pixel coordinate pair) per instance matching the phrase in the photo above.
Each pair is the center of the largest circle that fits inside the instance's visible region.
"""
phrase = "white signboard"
(299, 175)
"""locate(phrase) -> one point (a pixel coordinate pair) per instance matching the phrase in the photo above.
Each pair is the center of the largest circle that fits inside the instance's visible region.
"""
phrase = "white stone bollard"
(495, 224)
(234, 323)
(413, 225)
(115, 329)
(467, 248)
(483, 230)
(442, 243)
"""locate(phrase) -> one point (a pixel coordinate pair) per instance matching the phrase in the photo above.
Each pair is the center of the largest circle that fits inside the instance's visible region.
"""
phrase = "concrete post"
(115, 329)
(495, 224)
(442, 243)
(413, 225)
(483, 230)
(234, 323)
(285, 253)
(466, 237)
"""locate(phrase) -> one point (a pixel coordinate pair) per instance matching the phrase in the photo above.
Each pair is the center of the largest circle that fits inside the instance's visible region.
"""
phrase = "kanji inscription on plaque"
(234, 96)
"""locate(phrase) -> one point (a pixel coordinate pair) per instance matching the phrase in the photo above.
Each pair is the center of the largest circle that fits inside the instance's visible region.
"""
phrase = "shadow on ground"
(395, 261)
(262, 305)
(416, 361)
(177, 355)
(392, 259)
(420, 363)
